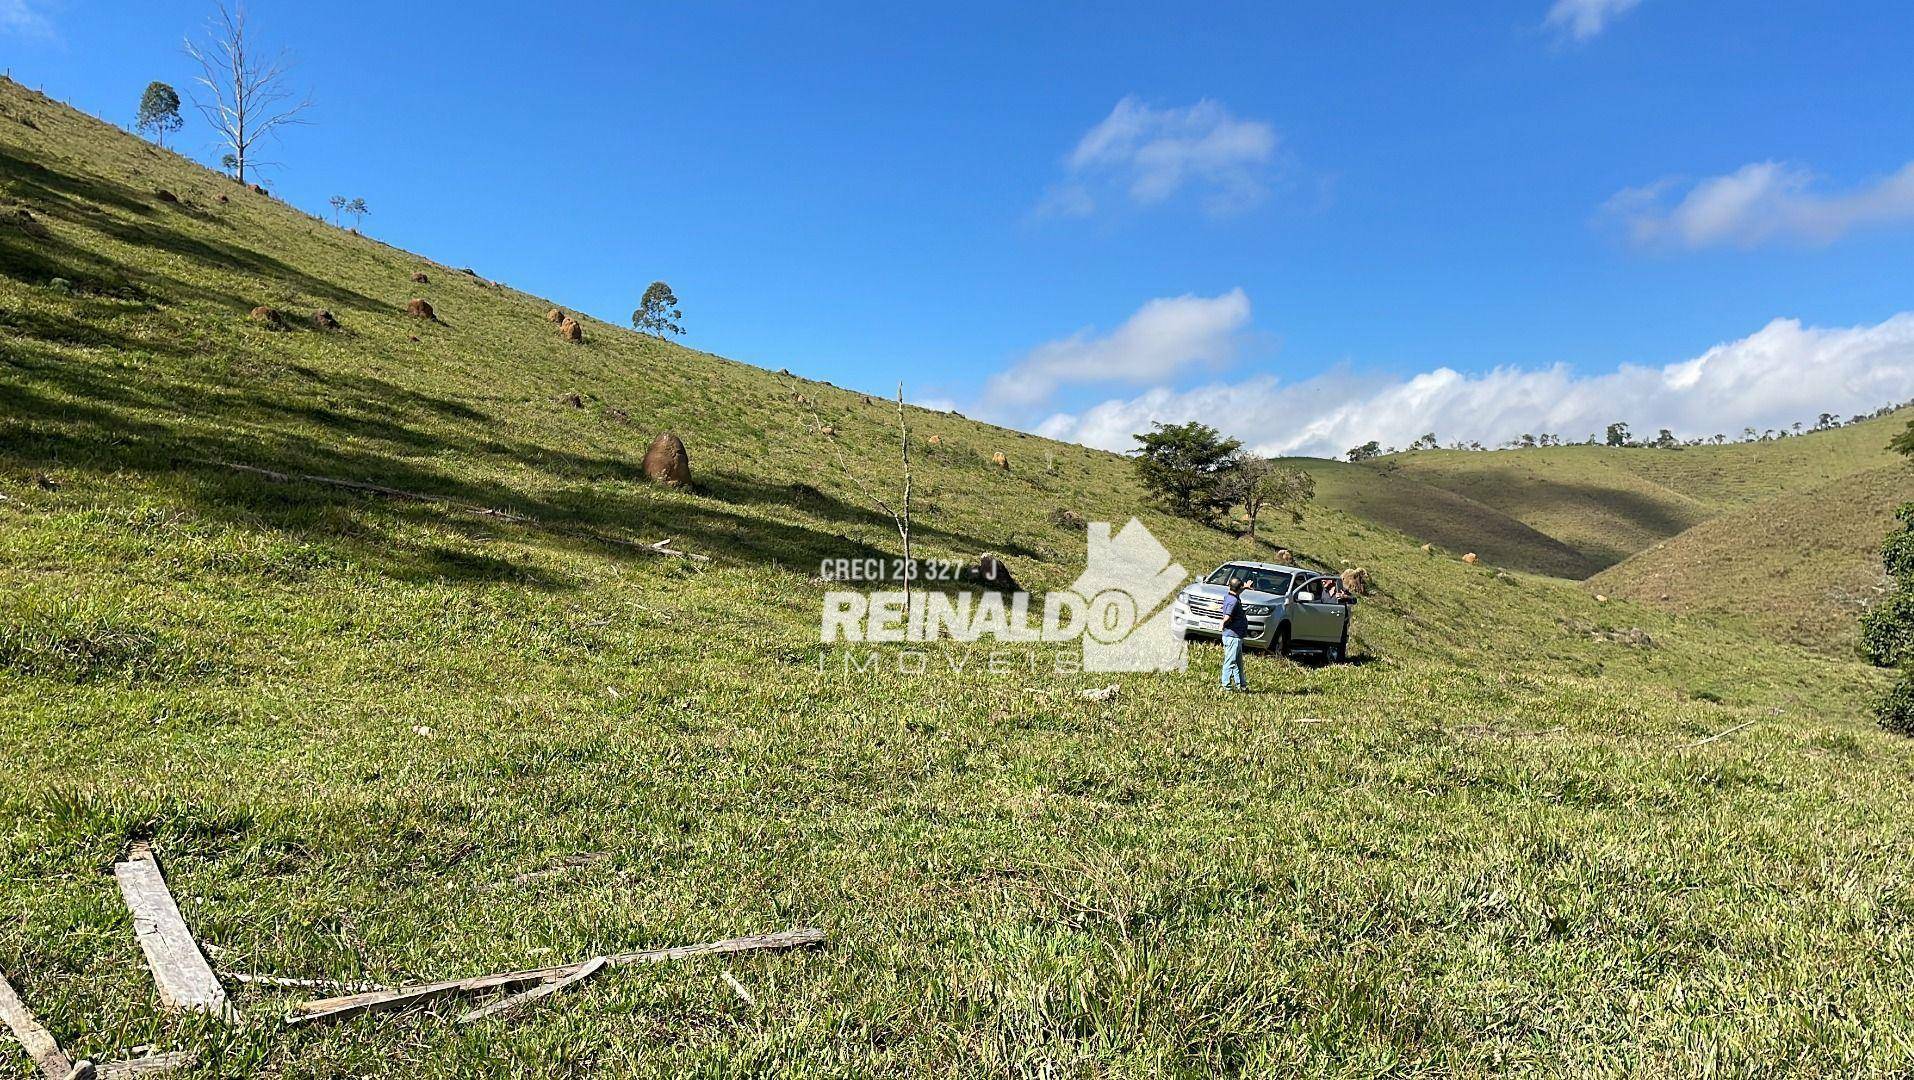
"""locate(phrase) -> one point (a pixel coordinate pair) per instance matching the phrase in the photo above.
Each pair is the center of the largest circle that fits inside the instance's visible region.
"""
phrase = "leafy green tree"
(658, 312)
(1618, 434)
(159, 111)
(338, 203)
(1887, 628)
(1186, 466)
(1665, 440)
(1370, 449)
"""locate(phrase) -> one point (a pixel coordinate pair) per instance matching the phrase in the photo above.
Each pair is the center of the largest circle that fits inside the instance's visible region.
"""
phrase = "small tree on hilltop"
(1186, 466)
(1618, 434)
(1259, 484)
(338, 203)
(358, 209)
(159, 111)
(658, 312)
(1368, 450)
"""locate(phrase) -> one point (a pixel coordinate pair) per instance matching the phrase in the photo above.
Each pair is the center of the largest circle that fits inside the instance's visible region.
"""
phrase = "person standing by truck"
(1235, 626)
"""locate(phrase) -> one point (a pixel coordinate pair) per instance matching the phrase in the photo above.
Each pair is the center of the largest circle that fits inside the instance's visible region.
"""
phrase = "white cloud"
(1161, 339)
(1145, 155)
(1758, 203)
(23, 18)
(1584, 19)
(1782, 373)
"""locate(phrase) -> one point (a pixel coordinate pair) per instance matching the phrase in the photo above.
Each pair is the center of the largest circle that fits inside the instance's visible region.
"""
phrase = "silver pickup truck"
(1286, 607)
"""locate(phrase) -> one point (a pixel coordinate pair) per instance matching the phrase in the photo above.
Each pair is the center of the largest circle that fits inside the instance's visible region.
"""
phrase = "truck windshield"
(1269, 581)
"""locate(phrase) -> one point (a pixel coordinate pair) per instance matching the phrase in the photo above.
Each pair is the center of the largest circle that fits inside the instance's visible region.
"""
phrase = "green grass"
(350, 723)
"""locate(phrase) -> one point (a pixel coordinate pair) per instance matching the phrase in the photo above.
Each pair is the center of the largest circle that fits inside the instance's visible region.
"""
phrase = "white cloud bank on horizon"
(1757, 203)
(1146, 155)
(1162, 339)
(1782, 373)
(1584, 19)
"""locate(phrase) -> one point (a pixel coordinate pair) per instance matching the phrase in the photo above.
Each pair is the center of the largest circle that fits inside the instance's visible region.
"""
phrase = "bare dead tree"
(903, 519)
(243, 96)
(901, 511)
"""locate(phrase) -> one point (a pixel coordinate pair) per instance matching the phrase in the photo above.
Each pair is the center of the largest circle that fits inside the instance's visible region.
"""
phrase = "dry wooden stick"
(1718, 735)
(738, 988)
(38, 1041)
(661, 548)
(301, 984)
(184, 979)
(517, 1001)
(338, 1008)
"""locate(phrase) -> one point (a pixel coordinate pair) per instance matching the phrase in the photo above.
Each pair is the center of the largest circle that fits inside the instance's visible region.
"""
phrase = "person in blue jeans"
(1235, 625)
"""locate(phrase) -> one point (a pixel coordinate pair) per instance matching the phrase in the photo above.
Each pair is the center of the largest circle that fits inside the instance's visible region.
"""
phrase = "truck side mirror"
(1306, 597)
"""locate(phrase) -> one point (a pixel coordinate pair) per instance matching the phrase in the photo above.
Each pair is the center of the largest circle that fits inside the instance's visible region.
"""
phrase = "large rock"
(995, 574)
(666, 461)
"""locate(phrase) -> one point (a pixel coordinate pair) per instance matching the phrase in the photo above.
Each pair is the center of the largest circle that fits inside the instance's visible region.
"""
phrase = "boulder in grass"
(420, 309)
(667, 462)
(995, 574)
(569, 329)
(324, 320)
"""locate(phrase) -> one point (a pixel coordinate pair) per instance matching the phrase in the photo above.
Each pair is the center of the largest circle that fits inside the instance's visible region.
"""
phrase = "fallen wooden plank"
(39, 1042)
(338, 1008)
(1718, 735)
(517, 1001)
(151, 1063)
(184, 979)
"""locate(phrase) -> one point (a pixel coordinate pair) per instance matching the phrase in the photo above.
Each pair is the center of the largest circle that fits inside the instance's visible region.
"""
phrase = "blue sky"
(1310, 227)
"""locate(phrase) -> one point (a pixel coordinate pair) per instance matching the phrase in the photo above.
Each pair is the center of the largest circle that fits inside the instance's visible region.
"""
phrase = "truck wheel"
(1332, 654)
(1280, 645)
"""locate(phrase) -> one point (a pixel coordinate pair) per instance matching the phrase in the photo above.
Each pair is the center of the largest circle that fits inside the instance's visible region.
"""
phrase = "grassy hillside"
(1609, 503)
(1800, 566)
(1433, 514)
(1503, 841)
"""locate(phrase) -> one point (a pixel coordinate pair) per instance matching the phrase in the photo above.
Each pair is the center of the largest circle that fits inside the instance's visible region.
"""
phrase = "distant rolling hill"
(1801, 566)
